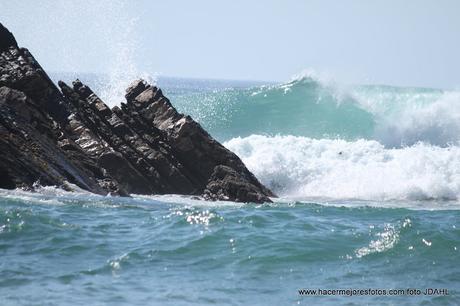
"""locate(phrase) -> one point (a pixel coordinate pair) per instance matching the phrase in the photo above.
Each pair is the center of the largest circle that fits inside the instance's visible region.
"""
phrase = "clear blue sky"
(391, 42)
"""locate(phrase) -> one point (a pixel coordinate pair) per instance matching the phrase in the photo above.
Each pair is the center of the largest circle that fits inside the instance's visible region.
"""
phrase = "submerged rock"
(54, 136)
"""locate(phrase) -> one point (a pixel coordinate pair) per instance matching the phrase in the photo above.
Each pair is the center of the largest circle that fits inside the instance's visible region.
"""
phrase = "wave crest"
(317, 107)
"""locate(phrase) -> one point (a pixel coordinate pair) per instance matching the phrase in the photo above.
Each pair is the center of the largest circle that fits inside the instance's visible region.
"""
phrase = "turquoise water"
(369, 186)
(303, 107)
(64, 249)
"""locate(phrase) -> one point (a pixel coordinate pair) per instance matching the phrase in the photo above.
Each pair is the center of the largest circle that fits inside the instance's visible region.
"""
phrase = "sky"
(405, 43)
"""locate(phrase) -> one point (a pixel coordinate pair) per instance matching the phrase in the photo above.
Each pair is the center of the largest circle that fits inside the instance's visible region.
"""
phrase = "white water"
(416, 119)
(301, 167)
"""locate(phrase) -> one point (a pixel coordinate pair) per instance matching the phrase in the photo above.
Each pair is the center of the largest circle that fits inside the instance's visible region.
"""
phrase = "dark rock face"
(57, 137)
(225, 183)
(7, 39)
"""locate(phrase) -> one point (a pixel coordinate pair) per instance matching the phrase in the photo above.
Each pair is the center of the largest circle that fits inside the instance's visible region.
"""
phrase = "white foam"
(437, 122)
(301, 167)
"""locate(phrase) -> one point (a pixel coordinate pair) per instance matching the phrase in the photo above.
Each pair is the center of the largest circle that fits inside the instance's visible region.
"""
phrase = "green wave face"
(303, 108)
(394, 116)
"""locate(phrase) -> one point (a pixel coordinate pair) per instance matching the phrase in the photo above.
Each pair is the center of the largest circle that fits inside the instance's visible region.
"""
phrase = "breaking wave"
(311, 138)
(307, 106)
(302, 167)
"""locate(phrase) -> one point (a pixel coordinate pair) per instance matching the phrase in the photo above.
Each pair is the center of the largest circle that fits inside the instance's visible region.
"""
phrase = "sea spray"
(106, 32)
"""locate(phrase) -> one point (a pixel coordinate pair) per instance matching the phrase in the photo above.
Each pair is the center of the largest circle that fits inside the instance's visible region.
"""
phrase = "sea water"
(368, 179)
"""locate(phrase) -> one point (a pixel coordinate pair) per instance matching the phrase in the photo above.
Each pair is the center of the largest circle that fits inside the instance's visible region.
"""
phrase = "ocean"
(368, 179)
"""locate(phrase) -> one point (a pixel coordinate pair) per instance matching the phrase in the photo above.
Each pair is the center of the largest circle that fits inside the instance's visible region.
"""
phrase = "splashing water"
(301, 167)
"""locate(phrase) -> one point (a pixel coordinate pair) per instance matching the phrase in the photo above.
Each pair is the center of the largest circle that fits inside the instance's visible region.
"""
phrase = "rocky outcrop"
(35, 144)
(68, 135)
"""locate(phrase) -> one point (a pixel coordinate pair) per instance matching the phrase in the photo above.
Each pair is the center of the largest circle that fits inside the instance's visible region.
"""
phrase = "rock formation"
(69, 136)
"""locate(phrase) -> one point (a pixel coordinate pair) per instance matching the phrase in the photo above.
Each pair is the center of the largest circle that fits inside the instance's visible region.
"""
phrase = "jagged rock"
(30, 148)
(70, 135)
(35, 138)
(192, 146)
(225, 183)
